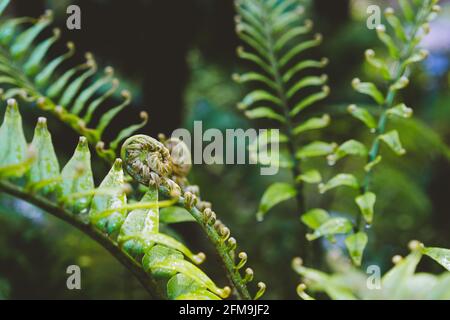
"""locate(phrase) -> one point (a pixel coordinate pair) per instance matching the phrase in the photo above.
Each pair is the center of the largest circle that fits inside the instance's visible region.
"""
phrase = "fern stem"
(234, 277)
(149, 284)
(289, 130)
(288, 125)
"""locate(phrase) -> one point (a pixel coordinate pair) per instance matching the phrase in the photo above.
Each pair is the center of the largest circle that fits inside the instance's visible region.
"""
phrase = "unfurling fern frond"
(130, 230)
(399, 283)
(167, 163)
(277, 40)
(403, 51)
(73, 95)
(139, 155)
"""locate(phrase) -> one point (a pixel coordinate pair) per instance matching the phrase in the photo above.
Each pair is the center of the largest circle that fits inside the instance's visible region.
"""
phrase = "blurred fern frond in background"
(399, 283)
(284, 90)
(402, 43)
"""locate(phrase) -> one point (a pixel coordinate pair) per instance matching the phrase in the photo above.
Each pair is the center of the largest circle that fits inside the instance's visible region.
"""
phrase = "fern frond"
(102, 212)
(277, 39)
(399, 283)
(27, 70)
(401, 41)
(177, 168)
(105, 212)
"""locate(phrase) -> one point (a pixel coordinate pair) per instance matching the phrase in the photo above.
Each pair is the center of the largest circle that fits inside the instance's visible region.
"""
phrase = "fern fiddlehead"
(273, 32)
(74, 96)
(31, 174)
(402, 44)
(149, 162)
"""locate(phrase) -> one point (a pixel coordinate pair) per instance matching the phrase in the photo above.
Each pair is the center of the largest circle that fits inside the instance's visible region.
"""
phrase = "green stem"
(289, 131)
(149, 284)
(235, 278)
(289, 127)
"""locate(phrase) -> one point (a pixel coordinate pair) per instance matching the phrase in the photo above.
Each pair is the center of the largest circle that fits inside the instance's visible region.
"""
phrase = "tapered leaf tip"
(41, 123)
(56, 32)
(232, 243)
(397, 259)
(249, 274)
(100, 146)
(47, 14)
(356, 82)
(118, 164)
(243, 260)
(352, 107)
(415, 245)
(301, 287)
(126, 94)
(199, 258)
(225, 292)
(82, 143)
(297, 262)
(370, 53)
(261, 290)
(143, 115)
(12, 108)
(109, 71)
(89, 56)
(11, 102)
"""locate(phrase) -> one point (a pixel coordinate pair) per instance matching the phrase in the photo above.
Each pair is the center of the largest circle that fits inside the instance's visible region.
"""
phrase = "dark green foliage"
(27, 70)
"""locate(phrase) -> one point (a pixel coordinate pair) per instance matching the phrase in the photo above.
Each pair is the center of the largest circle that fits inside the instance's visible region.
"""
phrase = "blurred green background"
(177, 58)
